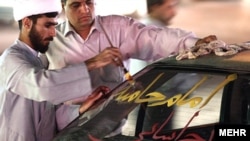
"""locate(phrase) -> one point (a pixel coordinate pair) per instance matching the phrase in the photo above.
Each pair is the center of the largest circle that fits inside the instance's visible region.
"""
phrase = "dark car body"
(175, 100)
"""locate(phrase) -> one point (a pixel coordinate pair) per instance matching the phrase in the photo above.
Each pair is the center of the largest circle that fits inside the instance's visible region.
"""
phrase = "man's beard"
(36, 41)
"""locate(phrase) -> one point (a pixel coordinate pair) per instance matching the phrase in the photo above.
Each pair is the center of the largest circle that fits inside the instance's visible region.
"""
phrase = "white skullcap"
(25, 8)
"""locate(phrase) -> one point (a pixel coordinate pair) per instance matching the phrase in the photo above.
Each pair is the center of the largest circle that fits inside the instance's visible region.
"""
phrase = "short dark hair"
(151, 3)
(35, 17)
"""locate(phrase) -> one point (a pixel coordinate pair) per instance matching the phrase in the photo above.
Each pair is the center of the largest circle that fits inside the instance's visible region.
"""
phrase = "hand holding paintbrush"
(127, 75)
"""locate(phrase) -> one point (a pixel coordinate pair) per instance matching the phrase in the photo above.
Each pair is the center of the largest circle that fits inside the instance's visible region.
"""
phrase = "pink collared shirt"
(134, 39)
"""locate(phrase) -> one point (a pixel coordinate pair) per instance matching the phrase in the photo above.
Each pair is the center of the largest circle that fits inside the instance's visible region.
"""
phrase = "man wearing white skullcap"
(31, 97)
(25, 8)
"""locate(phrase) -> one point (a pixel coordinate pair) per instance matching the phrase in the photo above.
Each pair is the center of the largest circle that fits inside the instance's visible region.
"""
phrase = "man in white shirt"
(31, 97)
(85, 37)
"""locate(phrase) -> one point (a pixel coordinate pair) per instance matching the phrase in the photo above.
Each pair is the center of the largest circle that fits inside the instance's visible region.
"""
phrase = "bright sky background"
(6, 2)
(105, 7)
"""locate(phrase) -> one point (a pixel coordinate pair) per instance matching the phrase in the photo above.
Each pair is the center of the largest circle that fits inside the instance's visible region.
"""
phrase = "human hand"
(97, 94)
(206, 39)
(110, 55)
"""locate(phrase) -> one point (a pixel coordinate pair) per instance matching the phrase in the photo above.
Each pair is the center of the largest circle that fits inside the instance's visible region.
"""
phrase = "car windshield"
(186, 99)
(165, 102)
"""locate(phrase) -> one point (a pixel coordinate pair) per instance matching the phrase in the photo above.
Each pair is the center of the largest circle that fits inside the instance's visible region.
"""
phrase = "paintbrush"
(127, 75)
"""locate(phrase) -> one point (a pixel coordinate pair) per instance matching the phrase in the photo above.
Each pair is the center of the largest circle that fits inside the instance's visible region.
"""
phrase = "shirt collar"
(35, 53)
(69, 29)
